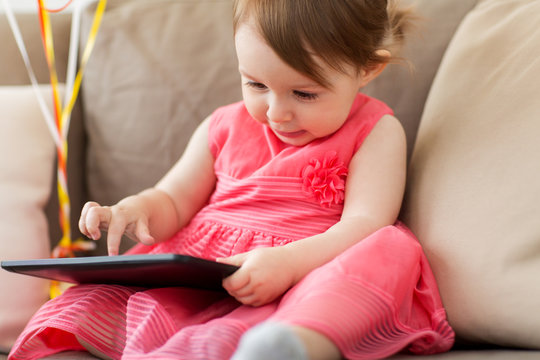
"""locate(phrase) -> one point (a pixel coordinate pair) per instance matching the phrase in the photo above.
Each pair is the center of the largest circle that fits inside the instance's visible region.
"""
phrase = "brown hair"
(338, 32)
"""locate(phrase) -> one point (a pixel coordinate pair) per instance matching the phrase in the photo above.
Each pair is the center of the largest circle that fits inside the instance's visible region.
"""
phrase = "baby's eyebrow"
(311, 87)
(308, 85)
(244, 73)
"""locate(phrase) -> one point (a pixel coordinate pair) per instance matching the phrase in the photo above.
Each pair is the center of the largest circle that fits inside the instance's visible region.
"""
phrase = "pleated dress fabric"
(377, 298)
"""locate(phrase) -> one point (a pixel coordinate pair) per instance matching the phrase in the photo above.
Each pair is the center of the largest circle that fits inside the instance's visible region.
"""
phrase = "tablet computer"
(149, 270)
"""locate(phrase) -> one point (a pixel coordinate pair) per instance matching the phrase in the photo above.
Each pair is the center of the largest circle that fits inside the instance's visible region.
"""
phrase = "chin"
(296, 141)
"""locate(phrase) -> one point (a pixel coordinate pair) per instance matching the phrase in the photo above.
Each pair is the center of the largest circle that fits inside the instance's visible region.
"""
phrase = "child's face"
(295, 107)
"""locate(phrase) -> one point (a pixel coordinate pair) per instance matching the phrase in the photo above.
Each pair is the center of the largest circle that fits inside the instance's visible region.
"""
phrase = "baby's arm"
(373, 197)
(157, 213)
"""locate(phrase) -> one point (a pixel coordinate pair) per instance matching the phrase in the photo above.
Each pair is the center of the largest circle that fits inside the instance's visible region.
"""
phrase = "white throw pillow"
(474, 183)
(26, 173)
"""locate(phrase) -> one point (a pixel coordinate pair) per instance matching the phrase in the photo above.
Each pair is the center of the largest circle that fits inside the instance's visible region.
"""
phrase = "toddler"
(300, 185)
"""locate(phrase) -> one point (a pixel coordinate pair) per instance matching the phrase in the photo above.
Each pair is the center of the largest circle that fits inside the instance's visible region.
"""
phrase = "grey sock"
(270, 341)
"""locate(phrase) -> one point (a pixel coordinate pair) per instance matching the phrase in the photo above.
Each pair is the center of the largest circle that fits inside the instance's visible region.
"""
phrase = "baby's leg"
(275, 341)
(368, 308)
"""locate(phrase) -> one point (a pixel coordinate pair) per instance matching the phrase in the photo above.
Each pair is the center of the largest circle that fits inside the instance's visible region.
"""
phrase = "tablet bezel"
(147, 270)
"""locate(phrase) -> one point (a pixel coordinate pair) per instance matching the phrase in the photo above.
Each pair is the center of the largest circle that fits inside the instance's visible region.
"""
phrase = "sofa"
(466, 97)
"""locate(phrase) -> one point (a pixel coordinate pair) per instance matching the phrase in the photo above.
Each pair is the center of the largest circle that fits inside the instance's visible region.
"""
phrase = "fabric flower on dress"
(325, 179)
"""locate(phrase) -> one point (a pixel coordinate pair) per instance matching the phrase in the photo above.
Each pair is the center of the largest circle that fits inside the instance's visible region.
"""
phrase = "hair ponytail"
(401, 22)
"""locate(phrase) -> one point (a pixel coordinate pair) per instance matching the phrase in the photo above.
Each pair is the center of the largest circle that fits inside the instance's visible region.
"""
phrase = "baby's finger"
(97, 217)
(236, 260)
(238, 280)
(114, 235)
(83, 218)
(143, 233)
(243, 292)
(252, 300)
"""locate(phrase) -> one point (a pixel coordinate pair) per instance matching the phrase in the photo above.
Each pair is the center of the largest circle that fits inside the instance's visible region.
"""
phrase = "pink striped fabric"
(377, 298)
(273, 205)
(273, 212)
(371, 309)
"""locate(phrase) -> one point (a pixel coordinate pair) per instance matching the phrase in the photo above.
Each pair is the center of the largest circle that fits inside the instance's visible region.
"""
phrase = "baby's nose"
(278, 111)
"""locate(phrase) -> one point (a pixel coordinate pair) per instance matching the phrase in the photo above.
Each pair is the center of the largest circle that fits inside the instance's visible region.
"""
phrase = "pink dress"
(377, 298)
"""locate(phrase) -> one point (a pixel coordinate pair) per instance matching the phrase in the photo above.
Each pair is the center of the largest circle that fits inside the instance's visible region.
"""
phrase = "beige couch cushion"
(474, 182)
(158, 68)
(12, 70)
(405, 88)
(25, 181)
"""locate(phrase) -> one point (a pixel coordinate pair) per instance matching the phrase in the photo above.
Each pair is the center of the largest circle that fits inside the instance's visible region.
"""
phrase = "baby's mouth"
(290, 134)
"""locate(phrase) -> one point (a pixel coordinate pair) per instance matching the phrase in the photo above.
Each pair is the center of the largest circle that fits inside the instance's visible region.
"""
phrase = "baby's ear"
(371, 72)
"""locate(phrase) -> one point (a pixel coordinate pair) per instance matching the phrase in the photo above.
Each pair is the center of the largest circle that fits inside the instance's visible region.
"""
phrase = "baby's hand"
(125, 217)
(264, 275)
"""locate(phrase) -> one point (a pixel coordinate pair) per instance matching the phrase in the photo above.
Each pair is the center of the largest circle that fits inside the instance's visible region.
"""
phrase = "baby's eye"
(256, 85)
(304, 95)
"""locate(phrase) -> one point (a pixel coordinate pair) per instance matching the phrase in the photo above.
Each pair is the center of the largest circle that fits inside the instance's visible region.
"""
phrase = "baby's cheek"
(257, 109)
